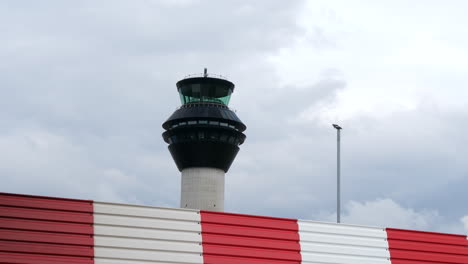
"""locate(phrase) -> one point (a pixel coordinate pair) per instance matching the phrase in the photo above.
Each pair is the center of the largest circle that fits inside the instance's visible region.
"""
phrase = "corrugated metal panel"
(141, 234)
(342, 244)
(413, 247)
(42, 230)
(235, 238)
(7, 257)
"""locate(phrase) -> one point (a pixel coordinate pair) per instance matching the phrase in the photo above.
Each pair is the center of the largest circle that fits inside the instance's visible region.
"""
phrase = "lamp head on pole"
(337, 126)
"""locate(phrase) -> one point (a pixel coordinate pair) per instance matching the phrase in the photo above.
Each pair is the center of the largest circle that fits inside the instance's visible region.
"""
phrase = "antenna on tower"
(205, 73)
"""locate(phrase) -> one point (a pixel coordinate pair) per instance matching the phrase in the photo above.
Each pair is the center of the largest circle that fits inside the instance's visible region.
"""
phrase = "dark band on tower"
(204, 132)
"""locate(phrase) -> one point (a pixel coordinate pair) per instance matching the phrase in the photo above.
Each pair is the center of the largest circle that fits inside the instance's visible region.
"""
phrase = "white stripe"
(126, 261)
(150, 244)
(342, 244)
(340, 259)
(131, 232)
(146, 222)
(138, 234)
(146, 211)
(146, 255)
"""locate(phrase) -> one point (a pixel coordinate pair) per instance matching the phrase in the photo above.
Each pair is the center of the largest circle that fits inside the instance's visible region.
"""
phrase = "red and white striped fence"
(44, 230)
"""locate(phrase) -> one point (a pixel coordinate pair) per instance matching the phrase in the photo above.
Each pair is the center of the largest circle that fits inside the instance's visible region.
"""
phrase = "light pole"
(338, 195)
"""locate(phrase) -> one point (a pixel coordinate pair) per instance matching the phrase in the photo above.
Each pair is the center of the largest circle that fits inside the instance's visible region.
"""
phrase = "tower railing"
(195, 104)
(207, 75)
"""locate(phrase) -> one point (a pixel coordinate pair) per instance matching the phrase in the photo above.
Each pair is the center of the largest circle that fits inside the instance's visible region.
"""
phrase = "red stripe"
(46, 248)
(424, 236)
(414, 247)
(235, 238)
(430, 247)
(254, 232)
(46, 202)
(40, 230)
(428, 256)
(250, 242)
(250, 220)
(19, 258)
(251, 252)
(51, 215)
(211, 259)
(46, 237)
(39, 225)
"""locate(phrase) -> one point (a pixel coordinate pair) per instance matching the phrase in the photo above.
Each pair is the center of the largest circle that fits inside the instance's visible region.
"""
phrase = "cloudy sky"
(86, 85)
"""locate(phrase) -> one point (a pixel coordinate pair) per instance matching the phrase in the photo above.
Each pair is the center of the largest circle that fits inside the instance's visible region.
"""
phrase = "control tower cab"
(204, 137)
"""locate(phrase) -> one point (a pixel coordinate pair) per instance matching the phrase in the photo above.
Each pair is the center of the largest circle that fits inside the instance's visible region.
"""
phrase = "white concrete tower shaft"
(202, 188)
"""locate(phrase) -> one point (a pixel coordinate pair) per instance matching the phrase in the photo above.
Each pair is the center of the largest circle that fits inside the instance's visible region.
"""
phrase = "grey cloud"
(85, 87)
(94, 81)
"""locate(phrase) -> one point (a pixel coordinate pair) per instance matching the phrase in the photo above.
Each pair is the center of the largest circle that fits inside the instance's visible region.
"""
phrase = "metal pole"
(338, 171)
(338, 196)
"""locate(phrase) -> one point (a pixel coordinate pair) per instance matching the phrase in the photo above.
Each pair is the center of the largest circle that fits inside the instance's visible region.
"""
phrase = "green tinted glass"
(205, 93)
(220, 100)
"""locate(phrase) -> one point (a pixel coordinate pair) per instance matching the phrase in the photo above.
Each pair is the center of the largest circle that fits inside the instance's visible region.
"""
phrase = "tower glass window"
(204, 91)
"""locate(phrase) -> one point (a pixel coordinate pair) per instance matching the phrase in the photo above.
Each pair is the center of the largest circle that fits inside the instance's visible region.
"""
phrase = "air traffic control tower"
(204, 137)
